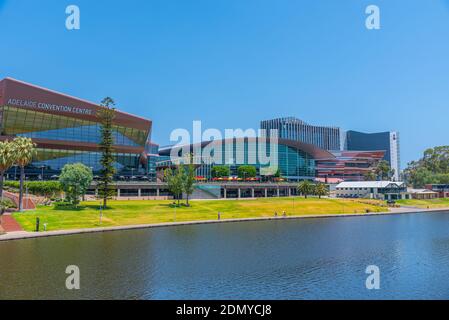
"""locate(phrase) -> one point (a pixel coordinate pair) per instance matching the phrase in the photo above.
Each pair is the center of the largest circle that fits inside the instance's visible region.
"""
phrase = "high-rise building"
(388, 141)
(328, 138)
(335, 139)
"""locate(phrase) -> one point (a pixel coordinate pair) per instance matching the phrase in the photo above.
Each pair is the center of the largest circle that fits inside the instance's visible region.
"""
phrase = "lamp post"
(26, 190)
(42, 172)
(293, 204)
(101, 213)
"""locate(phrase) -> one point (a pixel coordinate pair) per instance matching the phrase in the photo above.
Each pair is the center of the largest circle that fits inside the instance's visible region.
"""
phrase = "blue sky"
(232, 63)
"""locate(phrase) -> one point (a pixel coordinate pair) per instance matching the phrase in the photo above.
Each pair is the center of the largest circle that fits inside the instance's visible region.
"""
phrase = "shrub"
(6, 204)
(246, 171)
(220, 171)
(41, 188)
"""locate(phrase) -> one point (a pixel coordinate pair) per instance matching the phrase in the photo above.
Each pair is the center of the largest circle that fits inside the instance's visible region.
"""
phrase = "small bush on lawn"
(6, 204)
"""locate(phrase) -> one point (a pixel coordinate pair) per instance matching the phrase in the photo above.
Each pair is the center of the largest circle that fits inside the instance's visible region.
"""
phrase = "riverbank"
(29, 235)
(142, 212)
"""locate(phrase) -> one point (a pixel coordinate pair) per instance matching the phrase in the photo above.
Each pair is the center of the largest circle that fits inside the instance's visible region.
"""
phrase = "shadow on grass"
(96, 207)
(68, 207)
(173, 205)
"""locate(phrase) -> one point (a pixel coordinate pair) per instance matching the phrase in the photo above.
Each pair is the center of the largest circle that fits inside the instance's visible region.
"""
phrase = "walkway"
(10, 224)
(28, 203)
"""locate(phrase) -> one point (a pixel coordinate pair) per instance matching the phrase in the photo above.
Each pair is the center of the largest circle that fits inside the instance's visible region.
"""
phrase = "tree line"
(243, 171)
(432, 167)
(307, 188)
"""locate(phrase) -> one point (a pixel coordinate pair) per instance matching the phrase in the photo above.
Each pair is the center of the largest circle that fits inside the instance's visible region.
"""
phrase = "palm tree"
(305, 187)
(370, 176)
(7, 159)
(321, 190)
(23, 149)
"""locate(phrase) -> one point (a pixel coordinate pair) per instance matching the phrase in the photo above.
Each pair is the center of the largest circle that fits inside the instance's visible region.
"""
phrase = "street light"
(174, 220)
(293, 204)
(101, 212)
(42, 172)
(26, 190)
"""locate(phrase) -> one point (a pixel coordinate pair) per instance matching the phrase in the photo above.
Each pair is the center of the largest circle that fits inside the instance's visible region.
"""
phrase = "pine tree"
(106, 116)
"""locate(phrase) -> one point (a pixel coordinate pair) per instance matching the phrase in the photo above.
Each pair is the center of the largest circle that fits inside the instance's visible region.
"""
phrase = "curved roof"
(314, 151)
(28, 96)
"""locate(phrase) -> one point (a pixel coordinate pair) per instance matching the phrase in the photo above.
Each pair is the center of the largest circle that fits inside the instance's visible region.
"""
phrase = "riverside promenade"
(20, 234)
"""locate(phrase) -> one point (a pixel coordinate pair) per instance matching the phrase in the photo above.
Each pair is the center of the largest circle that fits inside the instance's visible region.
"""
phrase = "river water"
(284, 259)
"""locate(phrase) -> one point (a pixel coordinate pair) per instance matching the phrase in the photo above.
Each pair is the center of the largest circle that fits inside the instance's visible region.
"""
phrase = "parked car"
(391, 203)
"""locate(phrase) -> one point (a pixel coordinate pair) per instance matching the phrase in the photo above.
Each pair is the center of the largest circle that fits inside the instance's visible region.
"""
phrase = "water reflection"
(283, 259)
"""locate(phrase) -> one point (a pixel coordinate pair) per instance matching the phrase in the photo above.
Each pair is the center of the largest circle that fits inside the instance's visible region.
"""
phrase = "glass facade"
(33, 124)
(294, 164)
(54, 159)
(53, 127)
(386, 141)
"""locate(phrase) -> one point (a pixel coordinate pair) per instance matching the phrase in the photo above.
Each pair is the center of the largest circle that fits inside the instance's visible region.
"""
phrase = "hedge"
(42, 188)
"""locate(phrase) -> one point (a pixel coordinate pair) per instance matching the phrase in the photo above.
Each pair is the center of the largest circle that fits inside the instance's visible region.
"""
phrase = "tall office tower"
(388, 141)
(328, 138)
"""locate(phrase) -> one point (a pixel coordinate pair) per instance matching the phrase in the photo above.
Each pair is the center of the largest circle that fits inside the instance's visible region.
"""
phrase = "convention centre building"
(67, 130)
(295, 160)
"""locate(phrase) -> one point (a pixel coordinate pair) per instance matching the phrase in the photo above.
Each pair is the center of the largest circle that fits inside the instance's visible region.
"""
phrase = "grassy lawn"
(151, 211)
(433, 203)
